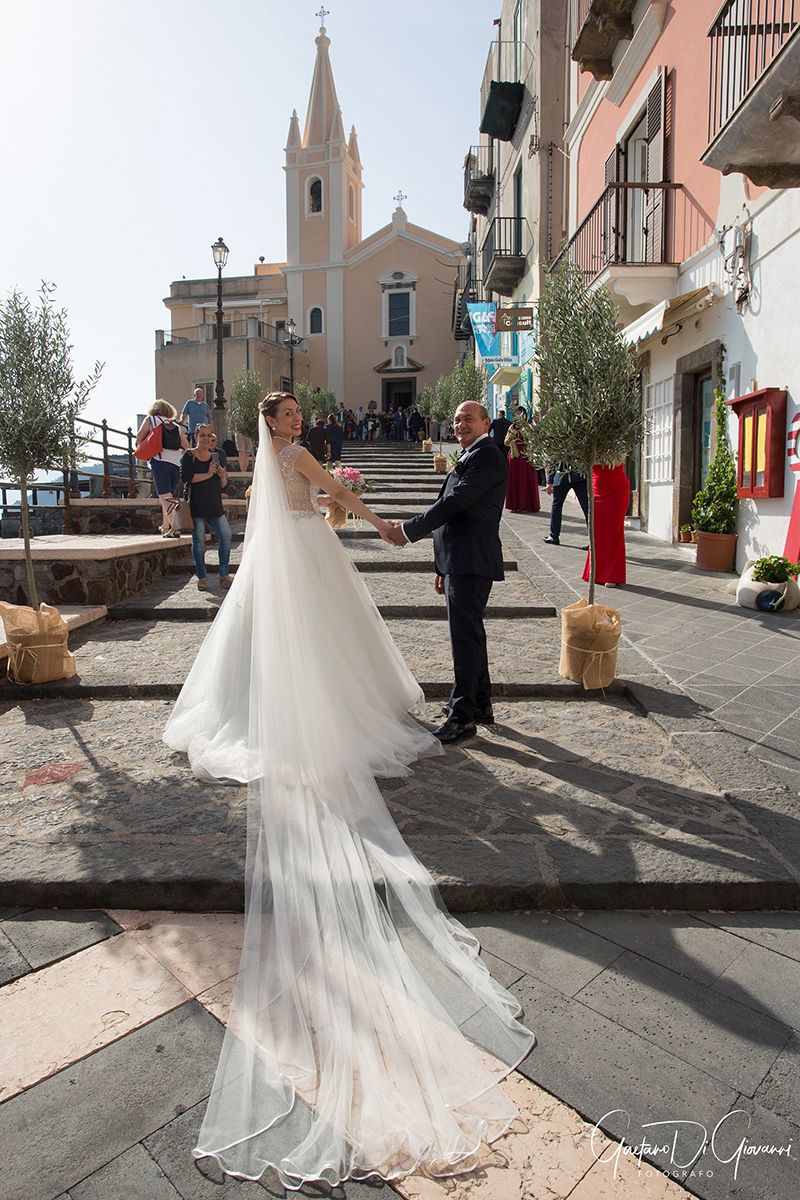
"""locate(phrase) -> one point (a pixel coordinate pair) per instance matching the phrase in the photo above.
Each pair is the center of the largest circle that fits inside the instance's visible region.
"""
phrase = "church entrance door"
(399, 393)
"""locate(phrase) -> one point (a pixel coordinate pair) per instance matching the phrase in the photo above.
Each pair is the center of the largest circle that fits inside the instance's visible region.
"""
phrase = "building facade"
(681, 153)
(374, 319)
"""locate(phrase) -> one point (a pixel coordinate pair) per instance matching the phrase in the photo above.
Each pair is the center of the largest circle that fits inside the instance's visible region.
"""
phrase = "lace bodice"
(300, 492)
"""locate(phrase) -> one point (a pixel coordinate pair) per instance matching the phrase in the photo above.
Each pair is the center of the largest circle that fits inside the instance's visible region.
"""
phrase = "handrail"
(746, 37)
(608, 234)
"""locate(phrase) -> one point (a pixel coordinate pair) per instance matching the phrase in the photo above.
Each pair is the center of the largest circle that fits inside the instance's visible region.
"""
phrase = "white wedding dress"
(366, 1036)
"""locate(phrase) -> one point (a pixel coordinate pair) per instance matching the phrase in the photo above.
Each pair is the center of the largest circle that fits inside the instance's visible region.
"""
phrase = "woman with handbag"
(204, 475)
(160, 433)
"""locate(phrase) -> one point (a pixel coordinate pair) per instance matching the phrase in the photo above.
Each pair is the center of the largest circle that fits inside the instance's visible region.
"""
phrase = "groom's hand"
(395, 534)
(438, 585)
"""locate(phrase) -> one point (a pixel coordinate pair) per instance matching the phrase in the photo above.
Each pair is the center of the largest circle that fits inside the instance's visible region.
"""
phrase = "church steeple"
(322, 102)
(293, 141)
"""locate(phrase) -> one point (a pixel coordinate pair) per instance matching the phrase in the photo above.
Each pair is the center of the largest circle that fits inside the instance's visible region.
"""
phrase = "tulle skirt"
(366, 1036)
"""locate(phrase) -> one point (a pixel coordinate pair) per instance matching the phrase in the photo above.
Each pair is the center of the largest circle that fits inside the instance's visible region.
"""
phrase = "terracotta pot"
(684, 535)
(694, 536)
(715, 551)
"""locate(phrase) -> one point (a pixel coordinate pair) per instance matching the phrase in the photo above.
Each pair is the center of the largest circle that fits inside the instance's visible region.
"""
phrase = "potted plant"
(714, 508)
(246, 391)
(685, 533)
(39, 401)
(588, 412)
(769, 583)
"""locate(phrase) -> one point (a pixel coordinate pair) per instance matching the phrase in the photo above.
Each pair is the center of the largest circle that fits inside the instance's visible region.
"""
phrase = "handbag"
(180, 516)
(152, 445)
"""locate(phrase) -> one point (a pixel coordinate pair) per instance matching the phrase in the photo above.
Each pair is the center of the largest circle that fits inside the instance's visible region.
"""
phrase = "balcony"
(503, 88)
(250, 327)
(505, 254)
(754, 92)
(598, 26)
(631, 241)
(478, 179)
(466, 291)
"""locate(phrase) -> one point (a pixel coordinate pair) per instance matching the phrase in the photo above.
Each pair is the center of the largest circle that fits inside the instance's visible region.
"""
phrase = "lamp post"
(220, 252)
(291, 342)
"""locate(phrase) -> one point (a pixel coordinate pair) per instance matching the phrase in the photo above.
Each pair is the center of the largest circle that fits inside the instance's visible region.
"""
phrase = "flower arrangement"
(774, 568)
(355, 482)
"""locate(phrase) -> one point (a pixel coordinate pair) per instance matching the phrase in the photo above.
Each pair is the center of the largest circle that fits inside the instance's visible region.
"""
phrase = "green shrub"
(774, 568)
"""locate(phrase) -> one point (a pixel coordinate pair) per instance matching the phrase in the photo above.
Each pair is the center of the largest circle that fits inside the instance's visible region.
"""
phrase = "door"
(636, 168)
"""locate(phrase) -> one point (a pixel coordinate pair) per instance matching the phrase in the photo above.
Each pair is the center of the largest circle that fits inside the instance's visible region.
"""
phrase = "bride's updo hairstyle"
(270, 405)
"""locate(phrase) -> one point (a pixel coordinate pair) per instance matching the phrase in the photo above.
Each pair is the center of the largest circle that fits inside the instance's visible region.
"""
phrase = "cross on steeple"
(400, 197)
(322, 14)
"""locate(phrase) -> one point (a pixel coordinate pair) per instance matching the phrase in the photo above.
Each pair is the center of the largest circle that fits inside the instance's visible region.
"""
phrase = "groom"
(465, 523)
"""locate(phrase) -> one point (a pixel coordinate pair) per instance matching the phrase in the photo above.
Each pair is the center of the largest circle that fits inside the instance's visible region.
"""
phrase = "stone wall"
(89, 581)
(125, 516)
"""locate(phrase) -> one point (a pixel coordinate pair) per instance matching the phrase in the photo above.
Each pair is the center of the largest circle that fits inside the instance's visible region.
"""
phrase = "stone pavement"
(646, 798)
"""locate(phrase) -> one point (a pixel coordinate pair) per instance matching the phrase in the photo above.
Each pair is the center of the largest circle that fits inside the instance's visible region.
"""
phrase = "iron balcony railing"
(506, 237)
(243, 327)
(746, 37)
(631, 223)
(479, 178)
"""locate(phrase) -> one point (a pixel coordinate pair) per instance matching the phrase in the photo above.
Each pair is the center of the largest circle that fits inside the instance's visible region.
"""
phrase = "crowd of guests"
(191, 466)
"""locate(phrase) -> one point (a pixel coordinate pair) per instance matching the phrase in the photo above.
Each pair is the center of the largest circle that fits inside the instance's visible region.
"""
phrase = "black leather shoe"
(484, 716)
(454, 730)
(585, 547)
(551, 541)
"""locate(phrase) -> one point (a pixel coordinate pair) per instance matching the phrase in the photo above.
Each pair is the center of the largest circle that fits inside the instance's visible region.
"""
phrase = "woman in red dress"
(523, 487)
(611, 497)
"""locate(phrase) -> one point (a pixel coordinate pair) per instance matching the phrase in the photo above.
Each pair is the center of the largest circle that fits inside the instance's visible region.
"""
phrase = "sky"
(136, 132)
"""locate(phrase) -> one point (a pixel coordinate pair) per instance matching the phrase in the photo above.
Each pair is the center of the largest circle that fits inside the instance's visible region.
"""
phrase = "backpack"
(170, 436)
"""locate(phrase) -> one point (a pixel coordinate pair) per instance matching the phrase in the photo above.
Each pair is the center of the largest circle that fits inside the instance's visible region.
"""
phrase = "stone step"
(568, 802)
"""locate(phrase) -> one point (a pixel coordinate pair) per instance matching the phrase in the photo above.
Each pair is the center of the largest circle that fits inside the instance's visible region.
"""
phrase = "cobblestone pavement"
(569, 809)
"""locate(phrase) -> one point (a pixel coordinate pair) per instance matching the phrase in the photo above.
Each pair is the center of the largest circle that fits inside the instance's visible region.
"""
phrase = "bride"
(366, 1037)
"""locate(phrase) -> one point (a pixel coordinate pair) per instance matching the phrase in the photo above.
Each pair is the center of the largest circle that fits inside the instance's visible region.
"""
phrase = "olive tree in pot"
(714, 508)
(246, 391)
(39, 402)
(588, 413)
(424, 408)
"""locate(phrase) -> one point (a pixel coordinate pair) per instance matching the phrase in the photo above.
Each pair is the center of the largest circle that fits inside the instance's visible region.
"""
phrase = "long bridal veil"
(365, 1036)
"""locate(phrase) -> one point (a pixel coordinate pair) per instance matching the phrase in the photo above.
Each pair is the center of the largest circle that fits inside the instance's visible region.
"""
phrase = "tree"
(468, 383)
(314, 402)
(246, 391)
(39, 398)
(715, 507)
(589, 409)
(424, 406)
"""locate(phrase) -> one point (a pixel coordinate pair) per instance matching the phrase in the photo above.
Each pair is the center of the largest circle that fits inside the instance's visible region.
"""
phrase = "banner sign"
(514, 319)
(487, 339)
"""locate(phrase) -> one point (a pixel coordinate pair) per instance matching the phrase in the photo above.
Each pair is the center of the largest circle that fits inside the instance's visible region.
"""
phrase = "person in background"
(195, 412)
(612, 492)
(317, 441)
(498, 430)
(561, 479)
(523, 486)
(335, 435)
(350, 425)
(205, 477)
(416, 426)
(166, 466)
(360, 422)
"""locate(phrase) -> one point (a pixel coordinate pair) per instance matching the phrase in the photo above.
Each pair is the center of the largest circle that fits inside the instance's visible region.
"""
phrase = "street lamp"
(291, 342)
(220, 252)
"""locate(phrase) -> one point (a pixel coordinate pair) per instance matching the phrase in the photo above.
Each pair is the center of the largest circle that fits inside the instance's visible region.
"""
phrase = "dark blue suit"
(465, 524)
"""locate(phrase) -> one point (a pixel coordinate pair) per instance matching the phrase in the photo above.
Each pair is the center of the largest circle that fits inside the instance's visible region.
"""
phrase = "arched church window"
(315, 320)
(351, 202)
(399, 356)
(315, 196)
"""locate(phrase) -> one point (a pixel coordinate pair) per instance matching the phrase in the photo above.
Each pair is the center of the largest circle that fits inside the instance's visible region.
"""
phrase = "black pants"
(560, 492)
(467, 597)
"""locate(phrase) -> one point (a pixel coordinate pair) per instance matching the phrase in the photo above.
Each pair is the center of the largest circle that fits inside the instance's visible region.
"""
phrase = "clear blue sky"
(135, 133)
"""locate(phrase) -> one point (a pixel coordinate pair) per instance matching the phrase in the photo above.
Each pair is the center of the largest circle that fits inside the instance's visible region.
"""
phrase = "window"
(315, 196)
(208, 390)
(315, 320)
(658, 445)
(286, 383)
(399, 314)
(762, 436)
(351, 202)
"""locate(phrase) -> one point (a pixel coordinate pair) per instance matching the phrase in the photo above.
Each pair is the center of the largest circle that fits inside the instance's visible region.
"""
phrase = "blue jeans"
(223, 531)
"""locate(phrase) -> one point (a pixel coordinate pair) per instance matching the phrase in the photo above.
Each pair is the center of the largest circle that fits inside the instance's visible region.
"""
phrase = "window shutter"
(612, 250)
(655, 204)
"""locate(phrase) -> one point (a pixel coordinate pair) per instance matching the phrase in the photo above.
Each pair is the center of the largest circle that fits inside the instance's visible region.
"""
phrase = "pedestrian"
(498, 430)
(465, 524)
(360, 422)
(335, 435)
(612, 493)
(561, 479)
(416, 426)
(166, 466)
(204, 475)
(523, 486)
(398, 425)
(350, 425)
(195, 412)
(317, 441)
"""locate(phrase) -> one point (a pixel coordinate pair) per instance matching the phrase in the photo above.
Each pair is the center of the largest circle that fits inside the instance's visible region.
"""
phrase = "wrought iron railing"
(244, 327)
(506, 237)
(478, 165)
(747, 35)
(631, 223)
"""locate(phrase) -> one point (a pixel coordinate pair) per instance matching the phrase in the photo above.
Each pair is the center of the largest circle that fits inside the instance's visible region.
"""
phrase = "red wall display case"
(760, 462)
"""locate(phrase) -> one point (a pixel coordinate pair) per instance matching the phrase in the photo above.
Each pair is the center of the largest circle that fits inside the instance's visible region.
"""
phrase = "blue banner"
(487, 339)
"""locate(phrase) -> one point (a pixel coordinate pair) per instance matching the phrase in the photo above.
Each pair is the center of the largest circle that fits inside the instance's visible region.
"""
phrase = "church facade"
(374, 313)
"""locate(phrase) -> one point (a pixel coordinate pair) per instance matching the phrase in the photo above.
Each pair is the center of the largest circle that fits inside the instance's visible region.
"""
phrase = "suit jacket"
(465, 518)
(498, 430)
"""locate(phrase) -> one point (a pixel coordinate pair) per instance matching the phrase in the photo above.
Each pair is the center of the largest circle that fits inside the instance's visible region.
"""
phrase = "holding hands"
(392, 532)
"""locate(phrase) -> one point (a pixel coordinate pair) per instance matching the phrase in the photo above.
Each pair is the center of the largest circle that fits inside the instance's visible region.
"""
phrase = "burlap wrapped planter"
(589, 638)
(37, 644)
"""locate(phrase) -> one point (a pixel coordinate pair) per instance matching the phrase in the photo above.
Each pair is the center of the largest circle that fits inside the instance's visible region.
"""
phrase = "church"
(374, 314)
